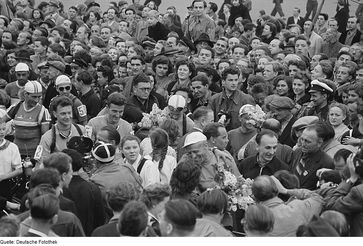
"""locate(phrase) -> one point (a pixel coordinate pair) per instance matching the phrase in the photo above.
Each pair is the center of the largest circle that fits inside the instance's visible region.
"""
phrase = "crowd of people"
(115, 122)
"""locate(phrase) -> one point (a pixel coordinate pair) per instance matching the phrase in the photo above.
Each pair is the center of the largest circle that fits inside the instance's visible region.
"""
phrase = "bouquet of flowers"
(255, 114)
(155, 118)
(238, 189)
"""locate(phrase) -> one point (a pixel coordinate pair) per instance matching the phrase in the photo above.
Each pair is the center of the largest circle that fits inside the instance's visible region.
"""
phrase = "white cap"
(194, 137)
(316, 85)
(177, 101)
(33, 87)
(21, 67)
(62, 79)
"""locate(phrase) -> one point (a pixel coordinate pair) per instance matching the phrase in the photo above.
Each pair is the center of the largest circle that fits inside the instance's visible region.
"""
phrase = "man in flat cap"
(320, 93)
(280, 109)
(54, 12)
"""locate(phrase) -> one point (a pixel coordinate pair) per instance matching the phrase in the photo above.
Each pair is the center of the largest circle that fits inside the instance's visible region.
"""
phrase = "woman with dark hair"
(92, 18)
(283, 86)
(184, 72)
(184, 181)
(238, 10)
(213, 205)
(37, 17)
(300, 84)
(162, 67)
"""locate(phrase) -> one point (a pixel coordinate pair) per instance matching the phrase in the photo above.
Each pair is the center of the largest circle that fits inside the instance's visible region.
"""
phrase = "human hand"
(326, 185)
(280, 187)
(353, 175)
(351, 141)
(321, 170)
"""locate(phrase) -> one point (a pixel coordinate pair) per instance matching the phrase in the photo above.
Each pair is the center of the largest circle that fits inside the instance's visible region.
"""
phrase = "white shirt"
(9, 158)
(150, 173)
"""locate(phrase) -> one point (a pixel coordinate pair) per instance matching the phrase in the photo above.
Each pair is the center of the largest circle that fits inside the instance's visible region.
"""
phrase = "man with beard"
(177, 108)
(31, 119)
(265, 162)
(196, 148)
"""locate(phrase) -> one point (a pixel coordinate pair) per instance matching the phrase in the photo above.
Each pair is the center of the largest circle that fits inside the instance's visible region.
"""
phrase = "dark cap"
(282, 103)
(58, 65)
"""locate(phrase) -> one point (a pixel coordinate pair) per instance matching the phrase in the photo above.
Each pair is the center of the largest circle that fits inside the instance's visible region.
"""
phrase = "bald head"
(264, 188)
(272, 124)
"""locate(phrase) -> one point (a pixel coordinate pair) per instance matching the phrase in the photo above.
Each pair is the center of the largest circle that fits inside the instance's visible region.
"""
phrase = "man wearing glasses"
(63, 86)
(141, 101)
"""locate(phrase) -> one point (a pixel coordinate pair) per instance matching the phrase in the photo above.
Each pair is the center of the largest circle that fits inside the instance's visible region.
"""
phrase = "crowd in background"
(118, 121)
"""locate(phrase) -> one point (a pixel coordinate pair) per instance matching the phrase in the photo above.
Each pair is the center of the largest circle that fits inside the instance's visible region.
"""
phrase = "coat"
(88, 200)
(289, 216)
(285, 137)
(314, 162)
(300, 21)
(348, 199)
(356, 37)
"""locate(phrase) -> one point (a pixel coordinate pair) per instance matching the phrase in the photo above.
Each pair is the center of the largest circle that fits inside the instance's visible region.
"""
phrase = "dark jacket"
(67, 225)
(238, 11)
(108, 230)
(250, 168)
(88, 200)
(348, 199)
(285, 137)
(342, 17)
(313, 162)
(300, 21)
(134, 108)
(356, 37)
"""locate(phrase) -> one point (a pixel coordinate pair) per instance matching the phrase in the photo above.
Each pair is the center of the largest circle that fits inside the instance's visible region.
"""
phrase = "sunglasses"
(67, 88)
(178, 109)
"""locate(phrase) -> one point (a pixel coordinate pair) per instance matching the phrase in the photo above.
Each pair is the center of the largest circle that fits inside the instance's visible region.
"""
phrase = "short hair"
(77, 159)
(185, 177)
(113, 134)
(58, 49)
(116, 98)
(43, 41)
(213, 201)
(352, 66)
(44, 207)
(209, 49)
(162, 60)
(133, 219)
(182, 214)
(59, 161)
(200, 1)
(189, 64)
(342, 154)
(272, 124)
(337, 220)
(326, 17)
(299, 64)
(327, 68)
(154, 194)
(341, 106)
(48, 176)
(242, 46)
(140, 78)
(261, 88)
(9, 226)
(259, 218)
(323, 130)
(345, 53)
(229, 70)
(61, 101)
(119, 195)
(106, 72)
(273, 28)
(85, 77)
(138, 57)
(213, 6)
(263, 133)
(202, 78)
(287, 179)
(129, 138)
(211, 130)
(302, 37)
(201, 112)
(264, 188)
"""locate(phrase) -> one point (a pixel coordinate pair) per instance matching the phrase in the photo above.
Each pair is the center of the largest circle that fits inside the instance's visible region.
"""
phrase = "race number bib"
(88, 132)
(38, 153)
(82, 110)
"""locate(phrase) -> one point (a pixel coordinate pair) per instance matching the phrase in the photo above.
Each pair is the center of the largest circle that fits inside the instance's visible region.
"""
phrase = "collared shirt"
(198, 102)
(196, 25)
